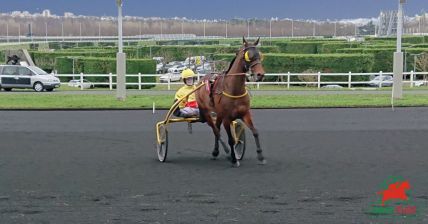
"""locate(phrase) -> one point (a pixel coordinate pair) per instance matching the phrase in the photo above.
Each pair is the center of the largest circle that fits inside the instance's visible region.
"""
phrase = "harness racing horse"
(230, 100)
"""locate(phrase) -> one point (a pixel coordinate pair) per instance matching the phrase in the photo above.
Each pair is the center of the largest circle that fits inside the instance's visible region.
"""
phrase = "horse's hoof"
(262, 162)
(260, 157)
(215, 153)
(236, 165)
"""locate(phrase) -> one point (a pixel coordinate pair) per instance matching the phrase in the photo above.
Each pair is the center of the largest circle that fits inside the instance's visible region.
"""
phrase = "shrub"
(297, 63)
(46, 60)
(89, 65)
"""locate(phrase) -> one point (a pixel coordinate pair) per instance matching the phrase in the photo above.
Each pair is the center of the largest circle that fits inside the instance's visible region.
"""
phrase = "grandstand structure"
(387, 24)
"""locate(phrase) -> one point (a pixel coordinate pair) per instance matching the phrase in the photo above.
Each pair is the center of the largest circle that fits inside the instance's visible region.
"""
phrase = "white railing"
(282, 79)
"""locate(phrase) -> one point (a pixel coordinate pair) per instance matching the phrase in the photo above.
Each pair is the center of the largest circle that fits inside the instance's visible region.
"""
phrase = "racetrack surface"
(324, 166)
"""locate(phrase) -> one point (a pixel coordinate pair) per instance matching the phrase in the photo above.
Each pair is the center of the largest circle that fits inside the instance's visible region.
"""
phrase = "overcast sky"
(220, 9)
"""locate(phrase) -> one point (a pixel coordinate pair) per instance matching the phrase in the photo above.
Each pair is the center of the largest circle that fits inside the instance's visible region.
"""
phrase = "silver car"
(77, 83)
(21, 76)
(381, 81)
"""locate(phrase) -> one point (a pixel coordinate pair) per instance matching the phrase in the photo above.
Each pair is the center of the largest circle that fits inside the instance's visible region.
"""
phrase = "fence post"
(319, 80)
(110, 80)
(139, 81)
(380, 78)
(288, 80)
(349, 79)
(81, 81)
(411, 79)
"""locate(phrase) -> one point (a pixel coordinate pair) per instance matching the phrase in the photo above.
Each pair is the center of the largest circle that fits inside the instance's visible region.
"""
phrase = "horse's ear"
(244, 41)
(257, 42)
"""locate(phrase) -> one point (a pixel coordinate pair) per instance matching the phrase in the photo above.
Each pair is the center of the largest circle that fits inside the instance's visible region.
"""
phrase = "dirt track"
(324, 166)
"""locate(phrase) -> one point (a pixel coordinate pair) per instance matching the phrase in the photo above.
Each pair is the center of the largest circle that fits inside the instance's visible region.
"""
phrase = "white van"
(22, 76)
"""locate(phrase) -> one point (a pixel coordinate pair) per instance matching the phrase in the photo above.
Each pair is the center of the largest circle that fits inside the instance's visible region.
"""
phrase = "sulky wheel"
(162, 147)
(240, 143)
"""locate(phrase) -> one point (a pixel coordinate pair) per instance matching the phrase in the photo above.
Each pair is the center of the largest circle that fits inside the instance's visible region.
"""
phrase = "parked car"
(332, 87)
(172, 77)
(160, 68)
(173, 64)
(159, 64)
(77, 83)
(24, 76)
(176, 69)
(386, 81)
(419, 83)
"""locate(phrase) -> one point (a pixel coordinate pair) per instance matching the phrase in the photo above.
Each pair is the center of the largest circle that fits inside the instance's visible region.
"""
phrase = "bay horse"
(229, 98)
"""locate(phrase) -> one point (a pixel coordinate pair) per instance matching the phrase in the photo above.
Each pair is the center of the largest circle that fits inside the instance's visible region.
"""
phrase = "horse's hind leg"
(226, 124)
(249, 122)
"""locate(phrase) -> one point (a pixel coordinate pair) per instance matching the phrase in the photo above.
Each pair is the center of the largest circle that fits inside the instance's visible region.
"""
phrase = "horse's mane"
(231, 63)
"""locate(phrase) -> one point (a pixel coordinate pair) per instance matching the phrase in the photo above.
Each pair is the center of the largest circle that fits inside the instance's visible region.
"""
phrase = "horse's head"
(252, 58)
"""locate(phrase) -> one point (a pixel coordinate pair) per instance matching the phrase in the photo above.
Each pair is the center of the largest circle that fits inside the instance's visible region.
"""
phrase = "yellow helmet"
(187, 73)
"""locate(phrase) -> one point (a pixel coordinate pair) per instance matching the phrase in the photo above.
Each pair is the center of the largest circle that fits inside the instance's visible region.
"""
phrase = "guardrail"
(282, 79)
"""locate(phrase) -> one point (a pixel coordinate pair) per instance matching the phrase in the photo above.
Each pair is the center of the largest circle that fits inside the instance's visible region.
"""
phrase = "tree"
(421, 63)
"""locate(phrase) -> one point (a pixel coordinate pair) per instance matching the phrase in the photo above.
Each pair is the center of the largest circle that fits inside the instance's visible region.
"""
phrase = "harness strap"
(235, 97)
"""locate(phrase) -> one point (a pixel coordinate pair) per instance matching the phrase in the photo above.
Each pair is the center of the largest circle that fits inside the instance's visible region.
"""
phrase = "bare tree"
(422, 63)
(307, 77)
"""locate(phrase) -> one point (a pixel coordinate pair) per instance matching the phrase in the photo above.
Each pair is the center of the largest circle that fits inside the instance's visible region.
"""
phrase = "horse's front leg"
(205, 112)
(248, 120)
(226, 124)
(216, 132)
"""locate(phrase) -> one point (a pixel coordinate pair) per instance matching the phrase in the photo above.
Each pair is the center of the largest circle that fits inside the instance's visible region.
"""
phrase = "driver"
(188, 107)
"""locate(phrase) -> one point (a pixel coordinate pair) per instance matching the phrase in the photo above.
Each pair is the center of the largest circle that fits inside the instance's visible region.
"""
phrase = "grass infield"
(71, 101)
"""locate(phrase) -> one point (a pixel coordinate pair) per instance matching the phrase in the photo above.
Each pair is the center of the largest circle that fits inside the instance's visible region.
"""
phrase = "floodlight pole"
(46, 32)
(226, 28)
(7, 32)
(397, 89)
(121, 59)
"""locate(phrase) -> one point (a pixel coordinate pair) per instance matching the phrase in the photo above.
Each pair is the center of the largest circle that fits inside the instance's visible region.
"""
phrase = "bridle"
(248, 65)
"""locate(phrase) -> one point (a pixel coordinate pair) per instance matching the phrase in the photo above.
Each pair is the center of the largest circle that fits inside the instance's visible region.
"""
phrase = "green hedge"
(89, 65)
(188, 42)
(405, 39)
(314, 46)
(171, 53)
(177, 53)
(327, 63)
(46, 60)
(299, 47)
(330, 48)
(383, 58)
(2, 57)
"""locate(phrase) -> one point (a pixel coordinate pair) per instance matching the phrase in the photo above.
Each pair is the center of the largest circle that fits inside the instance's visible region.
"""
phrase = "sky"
(220, 9)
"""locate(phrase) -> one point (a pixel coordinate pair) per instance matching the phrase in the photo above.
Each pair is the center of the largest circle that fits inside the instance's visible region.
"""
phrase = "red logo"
(395, 191)
(395, 199)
